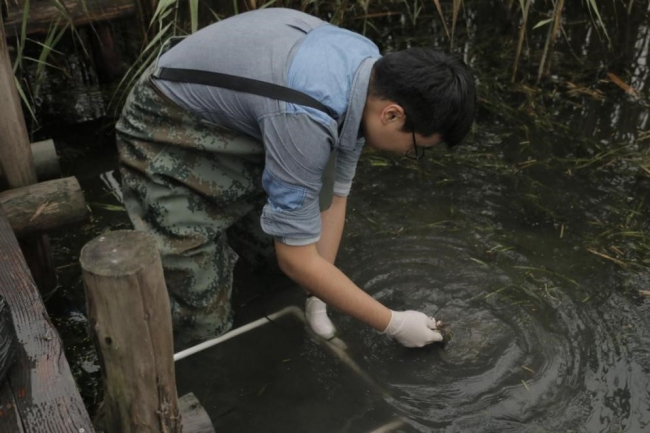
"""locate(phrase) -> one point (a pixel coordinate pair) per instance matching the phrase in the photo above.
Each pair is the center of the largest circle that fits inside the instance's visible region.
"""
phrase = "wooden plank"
(10, 421)
(41, 382)
(42, 13)
(193, 416)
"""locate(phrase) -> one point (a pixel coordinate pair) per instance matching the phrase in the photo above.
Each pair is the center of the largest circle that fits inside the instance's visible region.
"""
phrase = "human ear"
(391, 113)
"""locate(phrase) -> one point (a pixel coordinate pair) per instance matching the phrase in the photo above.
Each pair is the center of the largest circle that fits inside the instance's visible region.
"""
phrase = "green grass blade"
(23, 35)
(163, 6)
(442, 17)
(545, 63)
(51, 39)
(139, 65)
(42, 62)
(194, 15)
(24, 98)
(542, 23)
(593, 7)
(267, 4)
(34, 41)
(454, 17)
(522, 33)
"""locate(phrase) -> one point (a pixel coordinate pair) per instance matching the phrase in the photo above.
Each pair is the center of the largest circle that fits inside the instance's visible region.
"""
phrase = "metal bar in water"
(335, 345)
(242, 329)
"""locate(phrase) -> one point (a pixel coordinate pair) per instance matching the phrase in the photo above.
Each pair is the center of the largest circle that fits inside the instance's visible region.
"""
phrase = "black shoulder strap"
(242, 84)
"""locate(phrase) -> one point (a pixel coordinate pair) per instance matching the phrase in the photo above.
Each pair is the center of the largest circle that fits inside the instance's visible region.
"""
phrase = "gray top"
(296, 50)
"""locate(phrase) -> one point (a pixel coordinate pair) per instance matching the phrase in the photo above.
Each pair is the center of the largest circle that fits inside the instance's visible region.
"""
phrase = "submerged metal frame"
(335, 345)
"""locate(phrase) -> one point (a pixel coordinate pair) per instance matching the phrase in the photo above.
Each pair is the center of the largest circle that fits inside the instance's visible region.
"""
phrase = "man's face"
(382, 128)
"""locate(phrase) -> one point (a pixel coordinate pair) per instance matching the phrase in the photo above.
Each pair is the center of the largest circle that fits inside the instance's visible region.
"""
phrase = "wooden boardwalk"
(39, 394)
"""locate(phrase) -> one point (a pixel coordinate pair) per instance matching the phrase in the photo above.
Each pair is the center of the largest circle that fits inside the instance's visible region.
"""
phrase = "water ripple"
(527, 352)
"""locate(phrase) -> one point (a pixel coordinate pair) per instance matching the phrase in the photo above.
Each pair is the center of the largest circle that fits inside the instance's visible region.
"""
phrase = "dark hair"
(436, 91)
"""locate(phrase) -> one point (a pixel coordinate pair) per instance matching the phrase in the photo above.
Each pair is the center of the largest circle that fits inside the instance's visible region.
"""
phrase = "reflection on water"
(530, 242)
(543, 337)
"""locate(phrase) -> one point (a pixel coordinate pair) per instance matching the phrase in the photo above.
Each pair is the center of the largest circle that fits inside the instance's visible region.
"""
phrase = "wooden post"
(15, 152)
(17, 164)
(46, 161)
(44, 206)
(129, 316)
(39, 394)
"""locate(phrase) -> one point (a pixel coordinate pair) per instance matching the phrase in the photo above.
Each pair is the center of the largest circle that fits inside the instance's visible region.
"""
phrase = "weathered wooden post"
(44, 206)
(15, 152)
(46, 161)
(129, 315)
(17, 163)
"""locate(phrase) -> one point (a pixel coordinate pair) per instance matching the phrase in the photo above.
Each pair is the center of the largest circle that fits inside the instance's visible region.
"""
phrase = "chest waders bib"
(260, 88)
(193, 186)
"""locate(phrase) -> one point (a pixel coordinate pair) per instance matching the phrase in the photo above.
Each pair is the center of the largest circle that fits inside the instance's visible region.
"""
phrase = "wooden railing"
(39, 393)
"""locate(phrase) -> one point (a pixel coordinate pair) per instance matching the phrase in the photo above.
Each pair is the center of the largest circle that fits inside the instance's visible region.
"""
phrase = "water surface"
(530, 242)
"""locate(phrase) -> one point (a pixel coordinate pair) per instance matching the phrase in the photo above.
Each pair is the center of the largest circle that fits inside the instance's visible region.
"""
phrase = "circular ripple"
(521, 348)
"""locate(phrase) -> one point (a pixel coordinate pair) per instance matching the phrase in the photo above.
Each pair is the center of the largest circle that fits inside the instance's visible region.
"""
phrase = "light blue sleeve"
(297, 150)
(346, 166)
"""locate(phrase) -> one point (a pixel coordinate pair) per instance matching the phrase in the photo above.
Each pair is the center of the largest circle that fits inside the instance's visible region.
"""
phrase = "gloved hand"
(316, 315)
(412, 328)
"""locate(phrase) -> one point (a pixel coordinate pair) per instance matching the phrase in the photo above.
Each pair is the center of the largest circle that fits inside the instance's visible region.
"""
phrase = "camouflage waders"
(187, 181)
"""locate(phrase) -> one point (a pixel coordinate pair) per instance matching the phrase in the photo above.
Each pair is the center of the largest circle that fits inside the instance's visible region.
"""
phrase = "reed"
(525, 8)
(545, 62)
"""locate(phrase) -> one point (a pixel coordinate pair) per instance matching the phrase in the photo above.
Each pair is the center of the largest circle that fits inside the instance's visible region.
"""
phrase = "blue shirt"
(295, 50)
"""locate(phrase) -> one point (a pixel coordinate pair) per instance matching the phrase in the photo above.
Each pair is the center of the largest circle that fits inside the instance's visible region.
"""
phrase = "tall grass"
(30, 91)
(182, 17)
(525, 8)
(555, 27)
(545, 62)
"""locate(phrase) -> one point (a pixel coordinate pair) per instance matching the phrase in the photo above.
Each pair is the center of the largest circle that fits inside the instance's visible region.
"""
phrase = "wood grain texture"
(44, 206)
(41, 383)
(17, 162)
(15, 152)
(129, 313)
(43, 12)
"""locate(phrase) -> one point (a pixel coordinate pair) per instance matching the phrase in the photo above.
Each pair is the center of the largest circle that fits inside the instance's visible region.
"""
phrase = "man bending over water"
(212, 162)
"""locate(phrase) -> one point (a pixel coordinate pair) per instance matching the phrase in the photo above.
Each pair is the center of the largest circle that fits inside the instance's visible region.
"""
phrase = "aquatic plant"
(180, 17)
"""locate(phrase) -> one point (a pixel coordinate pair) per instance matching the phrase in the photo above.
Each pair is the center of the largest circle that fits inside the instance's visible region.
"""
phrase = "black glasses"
(417, 152)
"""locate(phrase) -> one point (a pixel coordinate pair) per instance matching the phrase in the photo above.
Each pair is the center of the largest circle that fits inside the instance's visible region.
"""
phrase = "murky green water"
(531, 242)
(546, 335)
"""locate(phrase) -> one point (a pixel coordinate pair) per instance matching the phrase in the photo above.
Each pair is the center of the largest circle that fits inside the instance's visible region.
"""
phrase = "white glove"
(412, 328)
(316, 315)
